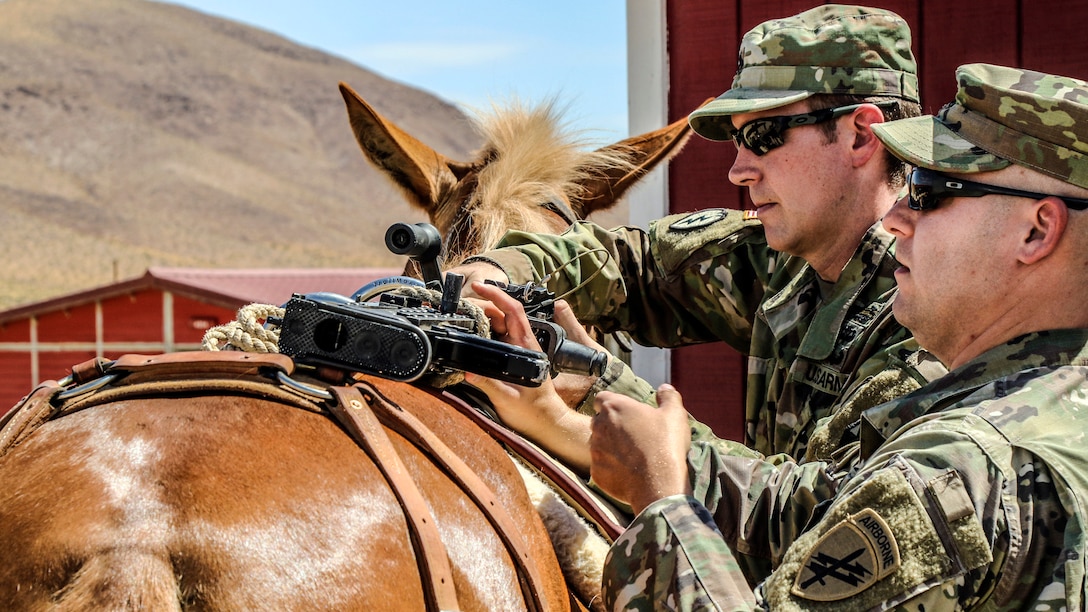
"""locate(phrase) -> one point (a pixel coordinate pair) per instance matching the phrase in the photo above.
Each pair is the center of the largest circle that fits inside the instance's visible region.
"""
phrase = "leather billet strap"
(97, 381)
(355, 414)
(33, 410)
(481, 494)
(199, 364)
(607, 520)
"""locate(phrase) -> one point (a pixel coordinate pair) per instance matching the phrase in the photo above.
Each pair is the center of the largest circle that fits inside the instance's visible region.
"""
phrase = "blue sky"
(470, 51)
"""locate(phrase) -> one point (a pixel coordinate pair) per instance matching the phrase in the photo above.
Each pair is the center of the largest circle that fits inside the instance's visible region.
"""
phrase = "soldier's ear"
(865, 142)
(1046, 222)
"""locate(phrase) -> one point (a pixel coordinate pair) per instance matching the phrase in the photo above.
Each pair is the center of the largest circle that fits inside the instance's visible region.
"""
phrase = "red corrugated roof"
(230, 288)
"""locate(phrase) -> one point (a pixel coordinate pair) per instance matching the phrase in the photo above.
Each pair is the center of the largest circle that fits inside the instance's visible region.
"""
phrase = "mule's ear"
(645, 151)
(420, 171)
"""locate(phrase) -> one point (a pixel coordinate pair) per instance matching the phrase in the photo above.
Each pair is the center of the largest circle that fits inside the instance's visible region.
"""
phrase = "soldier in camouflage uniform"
(968, 493)
(803, 284)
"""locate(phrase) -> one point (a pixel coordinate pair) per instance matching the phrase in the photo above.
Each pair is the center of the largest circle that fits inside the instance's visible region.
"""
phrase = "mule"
(208, 481)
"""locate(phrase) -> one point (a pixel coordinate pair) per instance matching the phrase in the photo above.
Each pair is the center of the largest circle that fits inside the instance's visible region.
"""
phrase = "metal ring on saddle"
(86, 387)
(303, 388)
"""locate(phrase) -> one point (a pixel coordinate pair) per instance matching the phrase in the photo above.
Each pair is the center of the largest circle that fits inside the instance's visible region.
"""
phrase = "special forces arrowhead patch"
(848, 559)
(699, 219)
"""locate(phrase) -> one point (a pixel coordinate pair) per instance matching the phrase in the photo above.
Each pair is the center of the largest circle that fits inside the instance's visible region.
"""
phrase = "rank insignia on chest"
(848, 559)
(699, 219)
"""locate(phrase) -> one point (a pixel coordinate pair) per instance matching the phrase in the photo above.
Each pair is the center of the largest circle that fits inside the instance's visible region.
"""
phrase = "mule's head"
(532, 174)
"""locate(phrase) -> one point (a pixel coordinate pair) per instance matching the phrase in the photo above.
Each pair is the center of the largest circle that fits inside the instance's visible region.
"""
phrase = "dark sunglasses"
(927, 188)
(766, 134)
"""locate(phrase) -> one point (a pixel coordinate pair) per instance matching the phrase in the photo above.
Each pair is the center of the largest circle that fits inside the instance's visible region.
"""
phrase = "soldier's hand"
(538, 413)
(638, 453)
(478, 271)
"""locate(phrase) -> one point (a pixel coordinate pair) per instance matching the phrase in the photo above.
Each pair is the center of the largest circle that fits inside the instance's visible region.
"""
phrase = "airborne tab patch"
(699, 219)
(848, 559)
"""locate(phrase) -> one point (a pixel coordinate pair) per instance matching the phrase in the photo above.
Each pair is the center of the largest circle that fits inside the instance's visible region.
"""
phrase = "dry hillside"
(136, 133)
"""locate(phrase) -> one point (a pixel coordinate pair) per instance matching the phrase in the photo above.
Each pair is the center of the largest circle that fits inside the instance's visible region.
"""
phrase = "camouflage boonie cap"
(832, 49)
(1000, 116)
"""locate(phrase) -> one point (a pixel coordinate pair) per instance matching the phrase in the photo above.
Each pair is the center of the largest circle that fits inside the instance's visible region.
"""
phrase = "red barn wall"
(703, 36)
(134, 317)
(128, 323)
(67, 326)
(192, 318)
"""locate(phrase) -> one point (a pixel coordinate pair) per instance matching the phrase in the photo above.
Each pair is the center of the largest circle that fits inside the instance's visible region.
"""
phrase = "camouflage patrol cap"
(833, 49)
(1000, 116)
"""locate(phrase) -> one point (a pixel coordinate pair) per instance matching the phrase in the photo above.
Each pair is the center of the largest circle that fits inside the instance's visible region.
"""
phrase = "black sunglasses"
(927, 188)
(766, 134)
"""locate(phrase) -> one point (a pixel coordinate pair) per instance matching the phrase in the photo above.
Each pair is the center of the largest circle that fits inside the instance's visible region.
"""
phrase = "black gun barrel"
(578, 358)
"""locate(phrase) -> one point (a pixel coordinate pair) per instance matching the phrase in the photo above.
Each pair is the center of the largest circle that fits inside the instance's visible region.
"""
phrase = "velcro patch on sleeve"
(848, 559)
(697, 220)
(678, 237)
(968, 537)
(876, 545)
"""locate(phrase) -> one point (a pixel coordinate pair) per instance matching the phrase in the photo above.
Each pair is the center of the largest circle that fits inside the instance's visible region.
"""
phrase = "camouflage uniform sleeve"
(744, 512)
(760, 505)
(689, 279)
(705, 552)
(672, 557)
(618, 378)
(906, 530)
(922, 524)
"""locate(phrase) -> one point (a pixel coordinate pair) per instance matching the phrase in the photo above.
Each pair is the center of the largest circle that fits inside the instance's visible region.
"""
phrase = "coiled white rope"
(247, 332)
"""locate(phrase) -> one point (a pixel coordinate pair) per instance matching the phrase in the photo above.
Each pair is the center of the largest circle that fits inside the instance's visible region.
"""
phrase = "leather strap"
(89, 370)
(33, 410)
(99, 380)
(194, 364)
(352, 411)
(400, 421)
(575, 493)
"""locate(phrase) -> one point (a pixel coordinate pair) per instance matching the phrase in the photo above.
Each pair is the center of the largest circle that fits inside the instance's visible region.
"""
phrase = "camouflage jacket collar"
(870, 272)
(1046, 349)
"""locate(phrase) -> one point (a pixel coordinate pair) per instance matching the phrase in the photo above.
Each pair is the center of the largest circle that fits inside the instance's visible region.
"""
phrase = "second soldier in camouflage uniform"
(966, 494)
(804, 288)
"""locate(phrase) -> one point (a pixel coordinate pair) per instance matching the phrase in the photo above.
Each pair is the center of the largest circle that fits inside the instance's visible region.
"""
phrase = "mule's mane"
(533, 157)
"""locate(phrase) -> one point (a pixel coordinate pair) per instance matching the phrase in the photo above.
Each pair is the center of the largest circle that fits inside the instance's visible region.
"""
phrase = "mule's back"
(213, 501)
